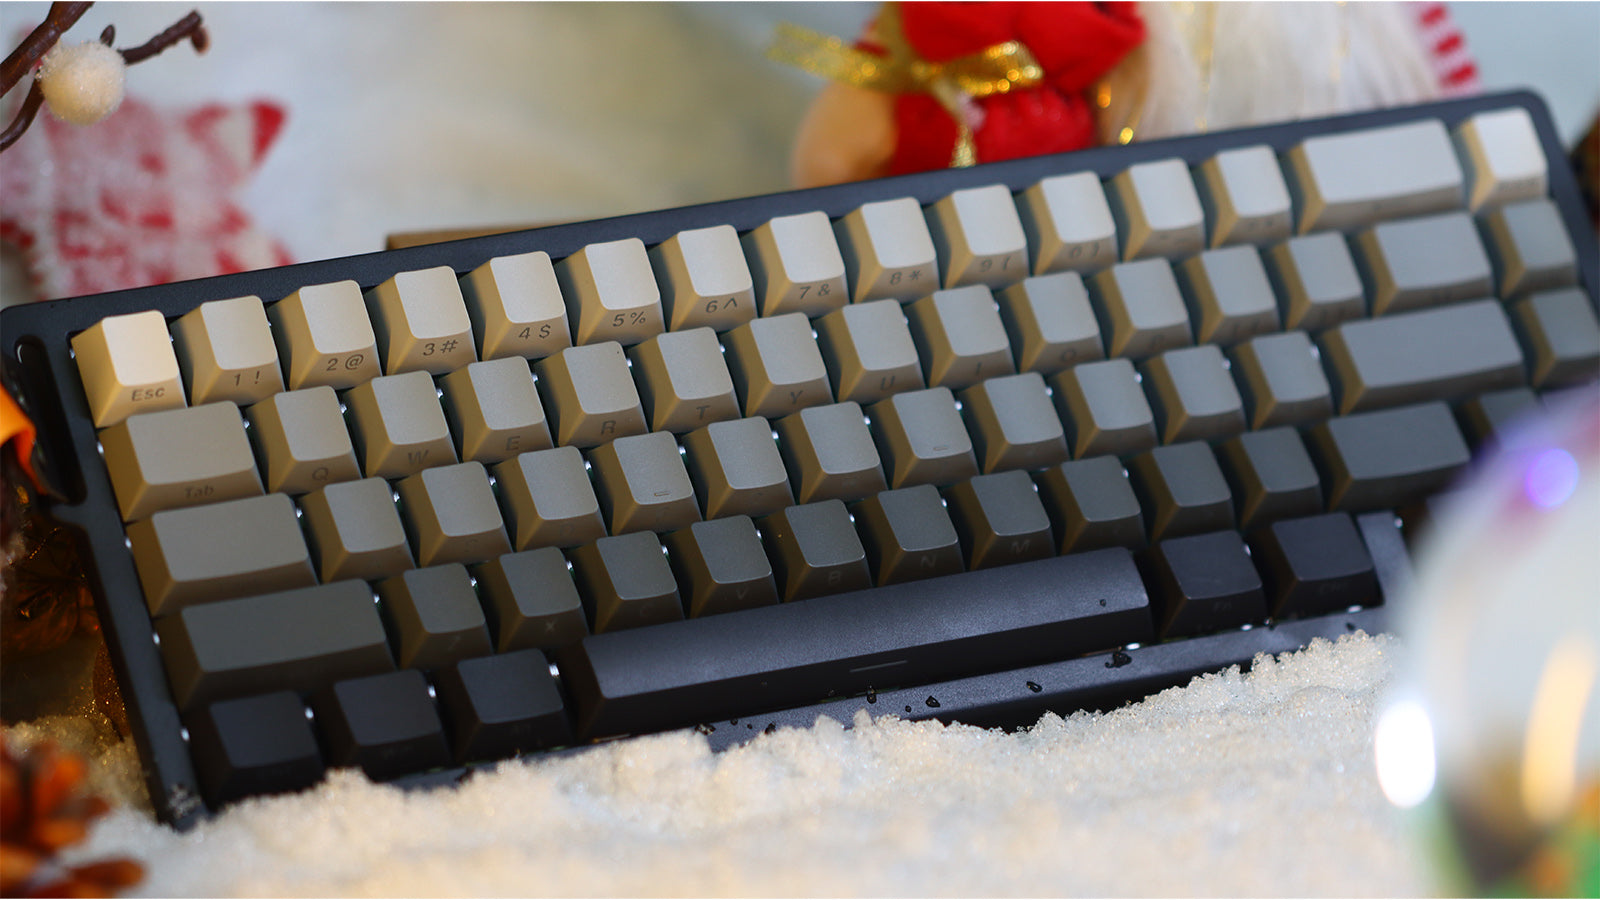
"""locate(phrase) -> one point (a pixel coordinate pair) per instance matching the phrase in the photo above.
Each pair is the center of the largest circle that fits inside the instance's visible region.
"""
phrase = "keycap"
(494, 410)
(548, 500)
(625, 582)
(905, 634)
(1192, 395)
(683, 380)
(704, 279)
(776, 366)
(1343, 181)
(253, 745)
(516, 307)
(451, 515)
(1530, 248)
(530, 600)
(1270, 475)
(128, 365)
(301, 440)
(1103, 409)
(1384, 459)
(433, 617)
(815, 550)
(1049, 323)
(869, 351)
(421, 323)
(354, 531)
(1157, 210)
(498, 706)
(999, 519)
(398, 426)
(1281, 380)
(261, 643)
(1140, 309)
(179, 457)
(736, 468)
(830, 454)
(589, 395)
(1504, 160)
(1012, 423)
(978, 237)
(611, 293)
(959, 337)
(1430, 354)
(907, 535)
(387, 725)
(1561, 336)
(1228, 295)
(721, 566)
(1244, 196)
(921, 439)
(1204, 583)
(1315, 565)
(1487, 417)
(1091, 505)
(1182, 490)
(643, 485)
(796, 266)
(1316, 282)
(1421, 262)
(887, 251)
(1068, 224)
(204, 553)
(225, 350)
(324, 336)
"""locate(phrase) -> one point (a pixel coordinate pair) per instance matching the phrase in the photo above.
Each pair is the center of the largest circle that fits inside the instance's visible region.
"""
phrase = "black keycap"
(908, 534)
(1315, 565)
(253, 745)
(501, 705)
(1182, 490)
(778, 656)
(386, 724)
(1487, 416)
(625, 582)
(1271, 475)
(530, 601)
(1000, 520)
(433, 617)
(815, 550)
(1091, 505)
(1204, 583)
(1382, 460)
(721, 566)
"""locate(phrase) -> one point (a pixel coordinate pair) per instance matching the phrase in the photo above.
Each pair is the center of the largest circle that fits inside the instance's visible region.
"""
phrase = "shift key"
(205, 553)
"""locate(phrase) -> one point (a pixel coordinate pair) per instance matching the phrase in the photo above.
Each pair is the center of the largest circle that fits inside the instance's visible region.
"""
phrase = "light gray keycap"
(869, 351)
(704, 279)
(515, 306)
(1281, 380)
(1530, 248)
(128, 366)
(433, 617)
(776, 366)
(451, 516)
(1103, 409)
(683, 380)
(642, 484)
(1228, 295)
(1157, 210)
(1068, 224)
(355, 531)
(611, 293)
(1316, 282)
(589, 395)
(1560, 335)
(179, 457)
(829, 453)
(887, 251)
(978, 237)
(721, 566)
(205, 553)
(421, 322)
(1244, 196)
(398, 425)
(530, 601)
(1343, 181)
(626, 582)
(548, 500)
(226, 352)
(324, 336)
(959, 337)
(1505, 162)
(1140, 309)
(736, 468)
(494, 409)
(1050, 323)
(1013, 424)
(921, 438)
(1192, 395)
(1430, 354)
(1420, 262)
(796, 265)
(301, 440)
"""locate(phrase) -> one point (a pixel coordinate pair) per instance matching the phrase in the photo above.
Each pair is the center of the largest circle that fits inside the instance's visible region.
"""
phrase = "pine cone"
(42, 810)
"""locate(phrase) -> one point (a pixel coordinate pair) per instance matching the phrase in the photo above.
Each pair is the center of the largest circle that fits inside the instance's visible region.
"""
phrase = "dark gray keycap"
(433, 617)
(815, 550)
(1192, 395)
(1204, 583)
(530, 601)
(398, 425)
(548, 499)
(1561, 336)
(921, 438)
(999, 519)
(683, 379)
(499, 706)
(1228, 295)
(589, 395)
(908, 534)
(1315, 565)
(1013, 423)
(1421, 262)
(1385, 459)
(1316, 282)
(625, 582)
(642, 484)
(959, 337)
(227, 549)
(253, 745)
(1050, 323)
(301, 440)
(1281, 380)
(1487, 417)
(736, 468)
(1182, 490)
(776, 366)
(1140, 309)
(262, 643)
(494, 409)
(386, 724)
(179, 457)
(869, 351)
(830, 454)
(721, 566)
(355, 531)
(1104, 409)
(1091, 505)
(1271, 476)
(451, 515)
(1430, 354)
(1530, 248)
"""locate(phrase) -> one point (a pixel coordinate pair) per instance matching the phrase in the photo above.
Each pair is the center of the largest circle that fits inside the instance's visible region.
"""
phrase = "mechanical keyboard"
(1045, 434)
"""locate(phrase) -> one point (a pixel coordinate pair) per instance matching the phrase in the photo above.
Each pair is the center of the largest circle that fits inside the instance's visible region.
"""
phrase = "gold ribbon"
(993, 70)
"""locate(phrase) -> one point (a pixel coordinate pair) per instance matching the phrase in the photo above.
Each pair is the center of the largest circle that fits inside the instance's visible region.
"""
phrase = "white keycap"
(1068, 224)
(1158, 211)
(1504, 160)
(324, 336)
(887, 251)
(611, 293)
(226, 352)
(1244, 197)
(421, 322)
(516, 308)
(1353, 179)
(704, 279)
(128, 366)
(978, 237)
(796, 265)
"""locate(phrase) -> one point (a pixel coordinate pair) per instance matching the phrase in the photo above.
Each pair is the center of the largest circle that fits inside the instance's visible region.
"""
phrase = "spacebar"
(683, 673)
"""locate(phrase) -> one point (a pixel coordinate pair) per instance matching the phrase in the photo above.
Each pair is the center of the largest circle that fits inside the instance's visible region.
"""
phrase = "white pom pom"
(82, 83)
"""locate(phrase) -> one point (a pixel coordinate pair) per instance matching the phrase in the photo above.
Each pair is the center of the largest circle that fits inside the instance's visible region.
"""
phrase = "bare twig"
(189, 27)
(30, 108)
(38, 42)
